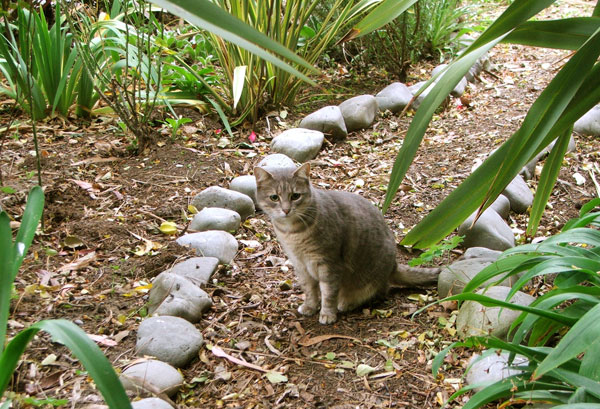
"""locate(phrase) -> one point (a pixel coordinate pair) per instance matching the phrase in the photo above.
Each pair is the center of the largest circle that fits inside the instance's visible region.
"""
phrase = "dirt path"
(124, 199)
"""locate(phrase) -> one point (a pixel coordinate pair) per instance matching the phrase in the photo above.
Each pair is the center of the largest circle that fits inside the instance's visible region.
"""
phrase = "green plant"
(251, 82)
(62, 331)
(120, 51)
(42, 67)
(175, 124)
(436, 251)
(560, 329)
(426, 30)
(573, 91)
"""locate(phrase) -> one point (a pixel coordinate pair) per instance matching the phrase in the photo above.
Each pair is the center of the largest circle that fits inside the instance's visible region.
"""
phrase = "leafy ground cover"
(101, 245)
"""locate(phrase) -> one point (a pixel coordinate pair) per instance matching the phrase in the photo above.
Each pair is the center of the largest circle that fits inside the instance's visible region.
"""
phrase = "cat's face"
(283, 193)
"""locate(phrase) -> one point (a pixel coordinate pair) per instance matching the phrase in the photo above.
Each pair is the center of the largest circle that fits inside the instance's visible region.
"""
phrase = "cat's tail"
(406, 276)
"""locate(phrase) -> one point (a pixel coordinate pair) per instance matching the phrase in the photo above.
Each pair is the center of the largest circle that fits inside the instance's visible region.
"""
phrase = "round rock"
(276, 161)
(151, 403)
(502, 206)
(328, 120)
(245, 184)
(298, 143)
(196, 269)
(169, 339)
(415, 88)
(492, 367)
(490, 231)
(216, 218)
(394, 97)
(159, 375)
(589, 123)
(177, 296)
(211, 243)
(481, 252)
(216, 196)
(519, 195)
(453, 278)
(476, 320)
(359, 112)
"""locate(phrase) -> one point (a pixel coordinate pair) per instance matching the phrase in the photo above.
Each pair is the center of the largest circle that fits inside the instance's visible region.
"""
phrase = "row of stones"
(305, 142)
(486, 239)
(177, 301)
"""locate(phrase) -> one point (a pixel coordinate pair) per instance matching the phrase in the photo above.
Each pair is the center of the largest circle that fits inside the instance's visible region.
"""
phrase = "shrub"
(41, 65)
(560, 329)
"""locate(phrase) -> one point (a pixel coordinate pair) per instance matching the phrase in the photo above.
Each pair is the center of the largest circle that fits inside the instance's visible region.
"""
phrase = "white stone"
(395, 97)
(177, 296)
(245, 184)
(215, 218)
(454, 277)
(216, 196)
(276, 161)
(196, 269)
(481, 252)
(211, 243)
(502, 206)
(359, 112)
(328, 120)
(158, 375)
(298, 143)
(519, 195)
(476, 320)
(151, 403)
(168, 339)
(490, 231)
(589, 123)
(492, 368)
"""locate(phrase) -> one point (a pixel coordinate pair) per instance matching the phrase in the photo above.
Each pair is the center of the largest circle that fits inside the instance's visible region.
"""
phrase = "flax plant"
(558, 333)
(260, 82)
(41, 64)
(12, 254)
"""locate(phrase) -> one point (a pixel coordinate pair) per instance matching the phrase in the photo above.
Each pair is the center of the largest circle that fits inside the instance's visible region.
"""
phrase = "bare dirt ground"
(101, 247)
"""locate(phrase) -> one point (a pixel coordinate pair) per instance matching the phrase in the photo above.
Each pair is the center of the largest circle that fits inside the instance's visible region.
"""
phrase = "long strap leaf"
(538, 128)
(585, 332)
(74, 338)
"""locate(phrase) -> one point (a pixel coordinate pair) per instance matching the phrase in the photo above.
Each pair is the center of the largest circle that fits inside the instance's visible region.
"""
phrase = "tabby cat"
(343, 252)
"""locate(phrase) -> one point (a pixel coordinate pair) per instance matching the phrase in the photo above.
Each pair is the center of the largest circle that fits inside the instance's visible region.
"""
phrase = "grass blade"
(383, 13)
(7, 269)
(565, 34)
(31, 218)
(422, 118)
(583, 334)
(547, 181)
(92, 358)
(10, 357)
(484, 185)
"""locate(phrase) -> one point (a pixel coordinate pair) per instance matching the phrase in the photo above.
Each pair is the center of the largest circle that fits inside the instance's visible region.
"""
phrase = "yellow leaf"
(168, 228)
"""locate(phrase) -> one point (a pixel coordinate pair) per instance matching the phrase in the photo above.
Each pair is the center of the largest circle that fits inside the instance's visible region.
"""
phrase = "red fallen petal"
(252, 137)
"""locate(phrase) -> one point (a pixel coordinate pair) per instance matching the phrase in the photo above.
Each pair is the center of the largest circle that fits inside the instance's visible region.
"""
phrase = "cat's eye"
(295, 196)
(274, 198)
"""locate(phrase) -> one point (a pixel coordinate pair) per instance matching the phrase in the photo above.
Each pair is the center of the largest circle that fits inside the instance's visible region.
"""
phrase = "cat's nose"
(285, 210)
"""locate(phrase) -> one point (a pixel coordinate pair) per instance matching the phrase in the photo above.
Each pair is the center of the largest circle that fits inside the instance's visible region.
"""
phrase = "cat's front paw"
(307, 310)
(327, 318)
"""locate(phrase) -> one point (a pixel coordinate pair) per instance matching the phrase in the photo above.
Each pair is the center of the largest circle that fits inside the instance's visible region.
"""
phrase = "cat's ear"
(261, 175)
(303, 171)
